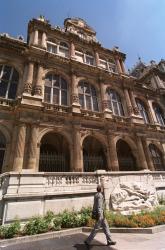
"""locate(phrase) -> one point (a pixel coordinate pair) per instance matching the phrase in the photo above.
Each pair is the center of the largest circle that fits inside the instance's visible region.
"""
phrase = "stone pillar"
(152, 115)
(35, 39)
(43, 41)
(160, 83)
(19, 147)
(38, 86)
(118, 65)
(32, 150)
(107, 111)
(75, 98)
(113, 153)
(148, 155)
(128, 101)
(133, 102)
(77, 150)
(97, 59)
(29, 78)
(142, 159)
(122, 66)
(72, 50)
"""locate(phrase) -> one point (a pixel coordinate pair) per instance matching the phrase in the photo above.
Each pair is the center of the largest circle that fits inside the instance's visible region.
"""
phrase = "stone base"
(76, 108)
(31, 100)
(107, 114)
(137, 119)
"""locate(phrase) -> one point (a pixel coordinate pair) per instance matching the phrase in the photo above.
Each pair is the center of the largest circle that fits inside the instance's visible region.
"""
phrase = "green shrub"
(36, 225)
(57, 222)
(10, 231)
(49, 217)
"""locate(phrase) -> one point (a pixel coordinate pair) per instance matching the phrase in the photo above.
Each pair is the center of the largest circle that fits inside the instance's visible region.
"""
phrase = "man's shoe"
(110, 242)
(86, 243)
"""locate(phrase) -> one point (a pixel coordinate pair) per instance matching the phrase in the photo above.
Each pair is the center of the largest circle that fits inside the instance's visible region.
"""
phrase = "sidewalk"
(75, 242)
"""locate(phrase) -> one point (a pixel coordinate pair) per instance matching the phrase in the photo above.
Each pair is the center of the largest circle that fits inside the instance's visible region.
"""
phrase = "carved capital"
(75, 98)
(38, 90)
(28, 88)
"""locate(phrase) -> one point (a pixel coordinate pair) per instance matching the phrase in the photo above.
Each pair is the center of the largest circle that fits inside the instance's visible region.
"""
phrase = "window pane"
(86, 88)
(55, 81)
(56, 96)
(3, 88)
(89, 60)
(47, 94)
(48, 81)
(6, 73)
(93, 91)
(81, 100)
(15, 76)
(63, 84)
(12, 90)
(80, 88)
(88, 103)
(115, 108)
(63, 51)
(63, 97)
(95, 104)
(121, 109)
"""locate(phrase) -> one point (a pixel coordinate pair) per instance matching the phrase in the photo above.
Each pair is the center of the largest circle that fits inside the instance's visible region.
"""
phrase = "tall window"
(89, 59)
(156, 156)
(114, 102)
(159, 114)
(9, 78)
(55, 90)
(88, 96)
(142, 110)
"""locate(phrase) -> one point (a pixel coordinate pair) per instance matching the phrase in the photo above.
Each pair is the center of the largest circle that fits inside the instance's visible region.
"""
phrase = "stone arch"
(127, 153)
(55, 152)
(94, 153)
(56, 71)
(90, 81)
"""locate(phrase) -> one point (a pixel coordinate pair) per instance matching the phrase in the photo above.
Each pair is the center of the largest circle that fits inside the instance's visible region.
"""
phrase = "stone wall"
(24, 195)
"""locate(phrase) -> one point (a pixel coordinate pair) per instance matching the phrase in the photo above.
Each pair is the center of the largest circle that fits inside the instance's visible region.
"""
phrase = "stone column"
(97, 59)
(122, 66)
(152, 113)
(32, 150)
(142, 159)
(72, 50)
(113, 153)
(35, 39)
(134, 105)
(29, 78)
(118, 65)
(148, 155)
(43, 41)
(77, 150)
(75, 98)
(107, 111)
(160, 83)
(19, 147)
(38, 86)
(128, 101)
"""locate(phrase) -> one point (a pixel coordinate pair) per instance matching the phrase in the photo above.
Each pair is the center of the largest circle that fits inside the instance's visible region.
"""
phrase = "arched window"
(156, 156)
(114, 102)
(9, 78)
(142, 110)
(55, 90)
(88, 96)
(159, 114)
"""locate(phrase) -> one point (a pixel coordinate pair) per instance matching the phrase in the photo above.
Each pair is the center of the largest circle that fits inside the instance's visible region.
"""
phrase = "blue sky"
(136, 26)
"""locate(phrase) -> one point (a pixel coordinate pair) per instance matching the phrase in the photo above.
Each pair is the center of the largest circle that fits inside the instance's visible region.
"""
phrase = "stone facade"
(68, 105)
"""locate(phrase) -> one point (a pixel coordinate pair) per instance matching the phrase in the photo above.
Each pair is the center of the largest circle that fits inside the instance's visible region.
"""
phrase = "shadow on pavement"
(92, 246)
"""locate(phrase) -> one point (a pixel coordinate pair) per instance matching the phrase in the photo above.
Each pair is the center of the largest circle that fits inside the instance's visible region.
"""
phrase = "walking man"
(98, 212)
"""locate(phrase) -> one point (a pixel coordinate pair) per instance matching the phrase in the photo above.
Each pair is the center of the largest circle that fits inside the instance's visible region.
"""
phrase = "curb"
(151, 230)
(67, 232)
(43, 236)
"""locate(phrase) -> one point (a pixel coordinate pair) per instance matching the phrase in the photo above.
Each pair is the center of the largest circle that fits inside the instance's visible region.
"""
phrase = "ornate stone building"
(68, 104)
